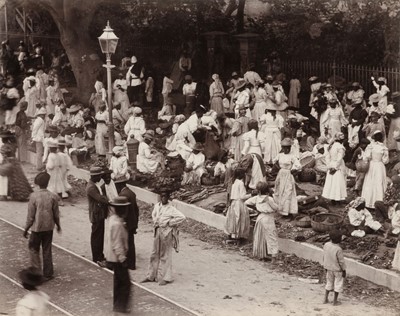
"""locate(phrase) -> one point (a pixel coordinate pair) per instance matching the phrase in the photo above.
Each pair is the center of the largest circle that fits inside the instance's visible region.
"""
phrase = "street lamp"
(108, 44)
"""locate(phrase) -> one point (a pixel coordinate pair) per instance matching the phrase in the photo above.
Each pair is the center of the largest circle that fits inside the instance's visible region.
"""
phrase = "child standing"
(356, 160)
(335, 266)
(237, 218)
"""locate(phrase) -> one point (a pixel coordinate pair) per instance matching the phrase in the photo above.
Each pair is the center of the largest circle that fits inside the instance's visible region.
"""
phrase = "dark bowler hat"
(31, 276)
(120, 201)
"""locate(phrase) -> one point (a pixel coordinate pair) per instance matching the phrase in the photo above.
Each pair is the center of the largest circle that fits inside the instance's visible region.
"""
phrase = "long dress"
(66, 165)
(237, 218)
(99, 97)
(294, 91)
(32, 97)
(260, 105)
(135, 127)
(196, 163)
(333, 119)
(101, 132)
(335, 185)
(121, 95)
(271, 128)
(146, 161)
(374, 186)
(240, 126)
(216, 95)
(119, 167)
(17, 185)
(265, 240)
(111, 193)
(254, 145)
(184, 140)
(53, 167)
(285, 186)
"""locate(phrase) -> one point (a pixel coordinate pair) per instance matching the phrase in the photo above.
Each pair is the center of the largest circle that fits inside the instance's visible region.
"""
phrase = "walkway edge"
(109, 271)
(307, 251)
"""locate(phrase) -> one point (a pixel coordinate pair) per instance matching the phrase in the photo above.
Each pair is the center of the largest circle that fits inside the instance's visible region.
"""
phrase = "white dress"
(53, 167)
(285, 185)
(120, 96)
(135, 128)
(265, 240)
(374, 186)
(101, 131)
(260, 104)
(335, 185)
(333, 119)
(119, 167)
(184, 140)
(271, 127)
(196, 162)
(254, 145)
(146, 161)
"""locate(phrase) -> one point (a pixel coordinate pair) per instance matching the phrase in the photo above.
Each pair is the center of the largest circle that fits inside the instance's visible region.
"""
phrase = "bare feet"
(337, 303)
(326, 301)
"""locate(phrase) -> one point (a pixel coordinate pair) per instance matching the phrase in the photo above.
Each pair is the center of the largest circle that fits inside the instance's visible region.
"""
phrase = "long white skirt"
(335, 186)
(272, 143)
(285, 192)
(259, 109)
(394, 126)
(256, 173)
(374, 186)
(3, 186)
(265, 239)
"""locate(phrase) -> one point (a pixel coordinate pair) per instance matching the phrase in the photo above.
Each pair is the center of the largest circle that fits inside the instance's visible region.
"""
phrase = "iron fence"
(349, 73)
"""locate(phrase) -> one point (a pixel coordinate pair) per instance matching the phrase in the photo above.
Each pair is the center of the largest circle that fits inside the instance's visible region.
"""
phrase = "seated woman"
(78, 148)
(170, 144)
(360, 218)
(148, 160)
(119, 164)
(167, 112)
(195, 166)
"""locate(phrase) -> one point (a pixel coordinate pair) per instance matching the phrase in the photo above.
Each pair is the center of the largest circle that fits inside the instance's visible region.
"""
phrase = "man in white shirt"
(38, 129)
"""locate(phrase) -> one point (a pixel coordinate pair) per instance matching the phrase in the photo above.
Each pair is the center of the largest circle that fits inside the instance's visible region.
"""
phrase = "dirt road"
(208, 280)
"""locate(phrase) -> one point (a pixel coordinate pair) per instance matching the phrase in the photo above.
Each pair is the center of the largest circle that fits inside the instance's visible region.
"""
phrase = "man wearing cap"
(166, 219)
(134, 77)
(116, 253)
(98, 208)
(38, 130)
(136, 126)
(43, 215)
(189, 91)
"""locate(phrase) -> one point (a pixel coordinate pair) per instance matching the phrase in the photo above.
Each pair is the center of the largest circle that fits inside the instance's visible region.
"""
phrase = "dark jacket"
(98, 204)
(133, 212)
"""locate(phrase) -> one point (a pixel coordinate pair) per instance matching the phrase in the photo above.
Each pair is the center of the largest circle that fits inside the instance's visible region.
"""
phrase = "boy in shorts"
(335, 266)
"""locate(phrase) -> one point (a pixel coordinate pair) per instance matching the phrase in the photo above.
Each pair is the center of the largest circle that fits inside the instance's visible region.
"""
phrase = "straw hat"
(118, 150)
(95, 171)
(355, 84)
(286, 142)
(382, 79)
(234, 74)
(241, 84)
(42, 111)
(133, 60)
(74, 108)
(275, 84)
(148, 136)
(120, 201)
(215, 76)
(52, 144)
(271, 106)
(137, 110)
(313, 78)
(374, 98)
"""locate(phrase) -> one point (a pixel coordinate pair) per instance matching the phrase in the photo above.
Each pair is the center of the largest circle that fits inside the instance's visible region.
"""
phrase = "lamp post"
(108, 44)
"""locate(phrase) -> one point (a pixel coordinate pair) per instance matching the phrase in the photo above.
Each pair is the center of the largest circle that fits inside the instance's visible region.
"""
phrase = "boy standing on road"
(335, 266)
(43, 214)
(116, 253)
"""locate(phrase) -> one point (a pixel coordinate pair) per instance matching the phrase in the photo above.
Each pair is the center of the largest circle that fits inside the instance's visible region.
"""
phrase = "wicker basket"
(305, 223)
(307, 175)
(325, 222)
(307, 161)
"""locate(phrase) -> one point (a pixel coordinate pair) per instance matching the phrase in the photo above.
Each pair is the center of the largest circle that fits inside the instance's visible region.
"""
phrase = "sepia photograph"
(200, 157)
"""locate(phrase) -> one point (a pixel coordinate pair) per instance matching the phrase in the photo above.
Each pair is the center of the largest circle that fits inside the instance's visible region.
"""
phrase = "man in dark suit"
(98, 208)
(132, 220)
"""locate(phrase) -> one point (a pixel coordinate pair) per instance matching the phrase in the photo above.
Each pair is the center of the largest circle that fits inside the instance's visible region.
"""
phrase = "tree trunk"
(83, 57)
(240, 16)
